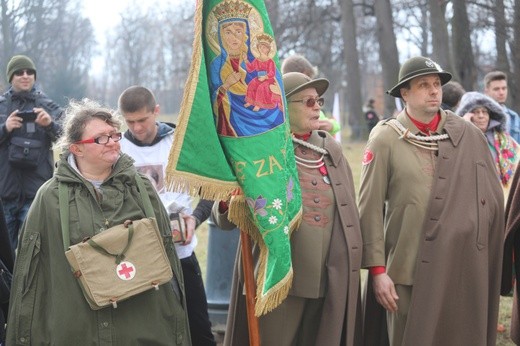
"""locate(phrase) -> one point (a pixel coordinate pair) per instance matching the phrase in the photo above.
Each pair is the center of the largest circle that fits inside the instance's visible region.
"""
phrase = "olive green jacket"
(47, 305)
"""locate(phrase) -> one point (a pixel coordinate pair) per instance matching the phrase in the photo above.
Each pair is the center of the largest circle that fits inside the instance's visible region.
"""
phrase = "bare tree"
(388, 54)
(440, 36)
(7, 23)
(348, 25)
(464, 62)
(56, 36)
(137, 45)
(515, 55)
(177, 48)
(502, 63)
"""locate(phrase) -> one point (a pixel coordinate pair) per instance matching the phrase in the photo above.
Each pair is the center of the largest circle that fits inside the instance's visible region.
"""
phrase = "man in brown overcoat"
(511, 266)
(431, 211)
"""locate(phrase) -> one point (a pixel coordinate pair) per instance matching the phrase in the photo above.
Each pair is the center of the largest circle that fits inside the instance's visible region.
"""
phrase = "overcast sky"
(105, 15)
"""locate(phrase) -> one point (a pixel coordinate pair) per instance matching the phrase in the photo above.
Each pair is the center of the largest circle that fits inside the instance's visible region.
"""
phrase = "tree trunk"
(514, 82)
(8, 46)
(502, 63)
(354, 106)
(388, 54)
(464, 61)
(440, 36)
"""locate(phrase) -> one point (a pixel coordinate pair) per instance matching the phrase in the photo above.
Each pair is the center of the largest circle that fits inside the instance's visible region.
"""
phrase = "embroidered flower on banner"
(257, 205)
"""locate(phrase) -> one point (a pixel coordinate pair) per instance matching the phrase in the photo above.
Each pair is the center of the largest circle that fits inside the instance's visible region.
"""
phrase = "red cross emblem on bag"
(125, 271)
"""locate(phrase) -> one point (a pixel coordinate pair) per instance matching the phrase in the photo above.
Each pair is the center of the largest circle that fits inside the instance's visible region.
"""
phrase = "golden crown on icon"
(264, 38)
(232, 9)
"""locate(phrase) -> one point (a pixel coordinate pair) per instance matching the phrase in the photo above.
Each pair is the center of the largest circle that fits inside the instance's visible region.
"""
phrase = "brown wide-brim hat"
(415, 67)
(294, 82)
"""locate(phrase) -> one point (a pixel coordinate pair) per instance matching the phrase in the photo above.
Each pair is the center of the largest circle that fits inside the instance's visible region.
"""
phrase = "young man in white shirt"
(148, 142)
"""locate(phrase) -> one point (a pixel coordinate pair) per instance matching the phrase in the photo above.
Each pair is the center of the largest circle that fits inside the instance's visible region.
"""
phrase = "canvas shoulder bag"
(119, 262)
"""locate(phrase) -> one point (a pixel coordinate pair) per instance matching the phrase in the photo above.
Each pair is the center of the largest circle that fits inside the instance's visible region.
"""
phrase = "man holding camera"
(29, 123)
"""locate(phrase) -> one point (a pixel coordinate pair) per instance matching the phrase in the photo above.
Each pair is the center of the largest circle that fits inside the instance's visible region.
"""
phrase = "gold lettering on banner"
(272, 163)
(259, 173)
(261, 164)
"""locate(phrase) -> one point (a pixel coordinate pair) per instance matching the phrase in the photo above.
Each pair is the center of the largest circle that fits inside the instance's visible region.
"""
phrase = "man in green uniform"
(431, 210)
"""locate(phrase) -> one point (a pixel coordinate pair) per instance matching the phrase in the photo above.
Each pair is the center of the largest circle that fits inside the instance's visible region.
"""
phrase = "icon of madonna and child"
(245, 83)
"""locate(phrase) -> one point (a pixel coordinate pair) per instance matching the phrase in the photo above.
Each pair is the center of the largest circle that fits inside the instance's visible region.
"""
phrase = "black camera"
(28, 116)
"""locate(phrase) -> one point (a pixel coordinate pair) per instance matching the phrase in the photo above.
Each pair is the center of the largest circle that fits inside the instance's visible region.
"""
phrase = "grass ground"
(354, 153)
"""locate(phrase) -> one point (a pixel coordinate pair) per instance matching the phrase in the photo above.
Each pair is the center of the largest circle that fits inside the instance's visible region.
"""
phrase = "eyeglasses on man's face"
(311, 101)
(21, 72)
(103, 139)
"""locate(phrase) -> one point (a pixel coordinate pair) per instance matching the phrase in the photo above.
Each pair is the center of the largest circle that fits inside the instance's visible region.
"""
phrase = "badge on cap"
(433, 64)
(368, 156)
(125, 271)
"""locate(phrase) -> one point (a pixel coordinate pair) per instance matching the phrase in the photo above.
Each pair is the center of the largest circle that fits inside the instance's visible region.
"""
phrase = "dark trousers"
(197, 304)
(15, 214)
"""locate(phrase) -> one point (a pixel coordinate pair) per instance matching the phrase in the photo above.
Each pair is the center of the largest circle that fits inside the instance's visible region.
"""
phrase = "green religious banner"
(232, 140)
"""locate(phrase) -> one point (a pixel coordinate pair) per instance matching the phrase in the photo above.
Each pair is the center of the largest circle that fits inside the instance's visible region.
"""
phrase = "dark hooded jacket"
(6, 267)
(16, 183)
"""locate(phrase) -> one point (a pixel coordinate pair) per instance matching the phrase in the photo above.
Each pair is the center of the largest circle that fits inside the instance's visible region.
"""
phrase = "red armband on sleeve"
(377, 270)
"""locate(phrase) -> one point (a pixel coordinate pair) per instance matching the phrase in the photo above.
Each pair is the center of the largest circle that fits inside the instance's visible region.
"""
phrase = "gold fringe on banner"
(206, 188)
(240, 214)
(266, 302)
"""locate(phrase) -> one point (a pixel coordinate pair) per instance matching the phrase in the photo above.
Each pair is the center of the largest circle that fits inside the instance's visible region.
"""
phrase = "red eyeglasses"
(116, 137)
(310, 102)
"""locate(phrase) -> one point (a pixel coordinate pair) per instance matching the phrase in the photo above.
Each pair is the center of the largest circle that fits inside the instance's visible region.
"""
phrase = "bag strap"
(148, 209)
(119, 257)
(63, 196)
(64, 207)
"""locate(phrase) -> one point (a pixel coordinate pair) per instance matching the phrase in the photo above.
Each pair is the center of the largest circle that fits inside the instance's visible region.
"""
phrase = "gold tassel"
(199, 186)
(240, 215)
(275, 296)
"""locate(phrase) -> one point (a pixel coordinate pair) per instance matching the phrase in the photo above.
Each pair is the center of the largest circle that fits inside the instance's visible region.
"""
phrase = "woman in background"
(490, 118)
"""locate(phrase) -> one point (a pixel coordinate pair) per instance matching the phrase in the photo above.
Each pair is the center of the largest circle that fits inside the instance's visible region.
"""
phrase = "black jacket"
(15, 183)
(7, 258)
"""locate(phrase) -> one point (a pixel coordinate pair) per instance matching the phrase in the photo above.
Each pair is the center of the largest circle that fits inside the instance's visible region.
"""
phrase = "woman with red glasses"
(102, 190)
